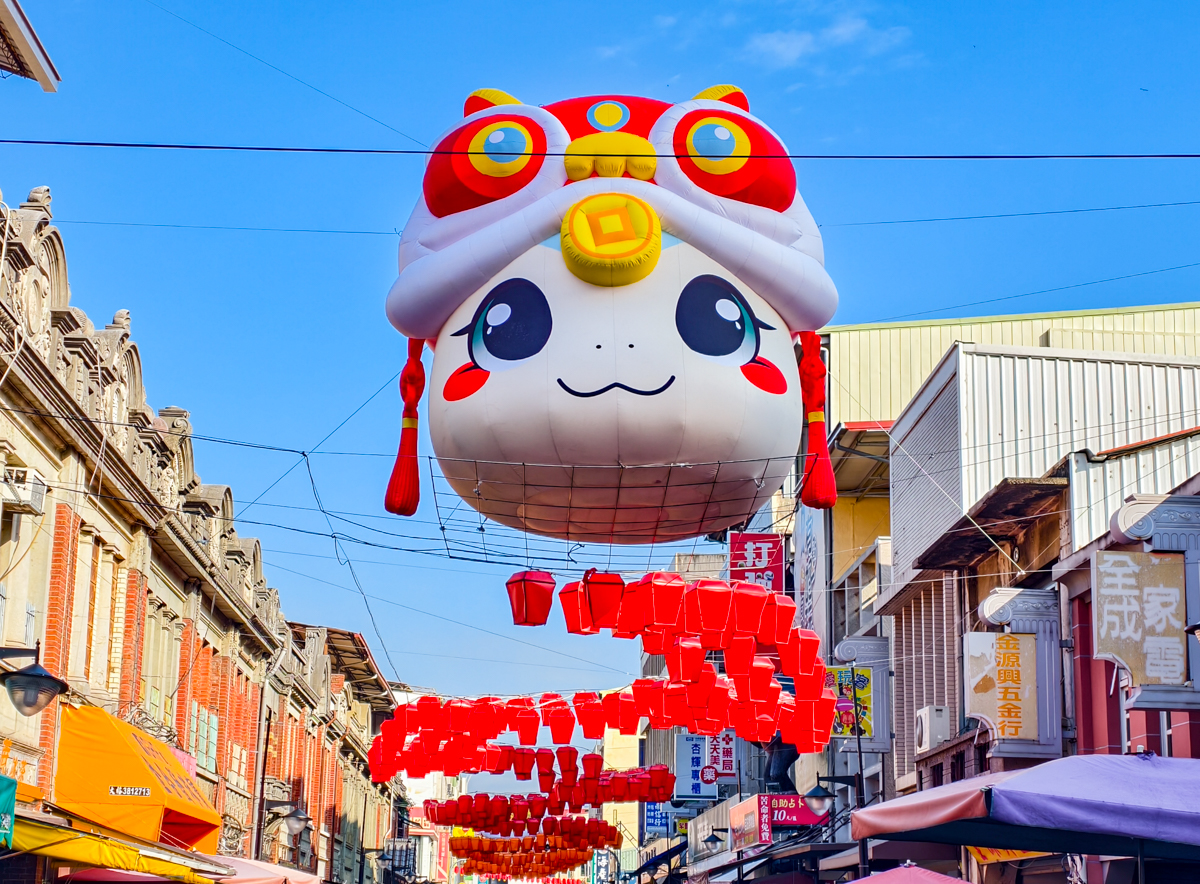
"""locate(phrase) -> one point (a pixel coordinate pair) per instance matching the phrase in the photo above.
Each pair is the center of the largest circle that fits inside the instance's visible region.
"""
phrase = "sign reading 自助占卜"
(1139, 613)
(1001, 671)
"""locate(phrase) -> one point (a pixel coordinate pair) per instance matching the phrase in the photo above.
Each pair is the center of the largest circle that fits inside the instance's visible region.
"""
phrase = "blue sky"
(277, 337)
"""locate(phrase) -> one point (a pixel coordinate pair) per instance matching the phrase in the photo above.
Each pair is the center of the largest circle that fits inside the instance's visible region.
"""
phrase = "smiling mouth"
(617, 386)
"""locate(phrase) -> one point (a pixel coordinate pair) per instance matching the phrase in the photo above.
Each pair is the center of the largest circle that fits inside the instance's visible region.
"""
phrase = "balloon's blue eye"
(714, 319)
(512, 324)
(714, 141)
(505, 145)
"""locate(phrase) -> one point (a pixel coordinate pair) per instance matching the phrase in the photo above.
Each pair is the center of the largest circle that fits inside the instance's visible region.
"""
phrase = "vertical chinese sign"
(720, 754)
(757, 558)
(1001, 673)
(1138, 615)
(691, 757)
(837, 679)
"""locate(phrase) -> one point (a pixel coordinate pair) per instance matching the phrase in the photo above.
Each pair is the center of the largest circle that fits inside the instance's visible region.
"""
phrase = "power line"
(280, 70)
(1060, 288)
(1011, 214)
(378, 151)
(224, 227)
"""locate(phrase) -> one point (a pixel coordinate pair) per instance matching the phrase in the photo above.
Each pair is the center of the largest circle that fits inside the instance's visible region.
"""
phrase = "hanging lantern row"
(526, 863)
(488, 879)
(568, 833)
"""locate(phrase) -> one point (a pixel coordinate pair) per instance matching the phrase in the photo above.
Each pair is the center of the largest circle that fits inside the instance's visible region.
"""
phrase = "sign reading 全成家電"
(1139, 613)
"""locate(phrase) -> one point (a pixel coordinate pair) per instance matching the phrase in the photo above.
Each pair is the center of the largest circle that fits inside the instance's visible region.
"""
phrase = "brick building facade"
(130, 572)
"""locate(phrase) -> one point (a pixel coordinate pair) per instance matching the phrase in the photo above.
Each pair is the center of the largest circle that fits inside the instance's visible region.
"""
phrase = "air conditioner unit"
(932, 727)
(23, 491)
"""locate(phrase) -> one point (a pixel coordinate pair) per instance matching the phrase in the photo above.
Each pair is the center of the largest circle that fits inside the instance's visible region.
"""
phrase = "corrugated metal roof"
(1100, 484)
(875, 369)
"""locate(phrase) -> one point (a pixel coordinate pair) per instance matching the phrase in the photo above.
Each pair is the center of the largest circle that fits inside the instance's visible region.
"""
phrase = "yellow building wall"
(874, 369)
(621, 753)
(856, 525)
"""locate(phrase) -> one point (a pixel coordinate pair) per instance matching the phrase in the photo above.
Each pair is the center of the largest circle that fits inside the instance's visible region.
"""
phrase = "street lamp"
(847, 653)
(290, 815)
(1193, 629)
(819, 799)
(32, 688)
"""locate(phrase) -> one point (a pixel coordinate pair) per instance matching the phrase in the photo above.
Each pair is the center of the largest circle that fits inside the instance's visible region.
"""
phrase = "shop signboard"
(691, 758)
(748, 825)
(8, 810)
(1139, 613)
(1002, 682)
(658, 821)
(757, 558)
(788, 812)
(838, 680)
(721, 754)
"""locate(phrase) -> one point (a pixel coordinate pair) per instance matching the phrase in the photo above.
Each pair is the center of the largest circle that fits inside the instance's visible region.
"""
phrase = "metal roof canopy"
(21, 52)
(351, 654)
(1003, 514)
(858, 452)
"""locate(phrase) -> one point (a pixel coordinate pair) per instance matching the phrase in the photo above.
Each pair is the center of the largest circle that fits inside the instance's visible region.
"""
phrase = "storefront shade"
(119, 777)
(8, 810)
(1116, 805)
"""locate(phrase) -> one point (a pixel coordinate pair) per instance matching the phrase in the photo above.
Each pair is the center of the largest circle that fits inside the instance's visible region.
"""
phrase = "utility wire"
(378, 151)
(280, 70)
(822, 226)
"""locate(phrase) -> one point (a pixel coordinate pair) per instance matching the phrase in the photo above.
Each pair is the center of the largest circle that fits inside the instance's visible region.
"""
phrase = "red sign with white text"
(757, 558)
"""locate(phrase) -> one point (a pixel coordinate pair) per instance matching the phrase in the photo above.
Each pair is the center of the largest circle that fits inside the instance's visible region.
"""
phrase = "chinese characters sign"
(1002, 682)
(757, 558)
(691, 757)
(837, 679)
(754, 820)
(657, 820)
(720, 754)
(1138, 614)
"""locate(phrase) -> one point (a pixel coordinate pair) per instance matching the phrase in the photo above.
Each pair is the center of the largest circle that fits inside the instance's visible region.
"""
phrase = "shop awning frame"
(1113, 805)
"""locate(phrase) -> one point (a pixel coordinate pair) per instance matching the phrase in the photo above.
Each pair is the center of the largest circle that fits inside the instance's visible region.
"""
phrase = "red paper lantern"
(810, 647)
(592, 764)
(699, 691)
(715, 600)
(684, 660)
(537, 805)
(719, 699)
(675, 708)
(661, 604)
(738, 655)
(562, 724)
(528, 722)
(603, 594)
(545, 760)
(631, 618)
(810, 687)
(654, 641)
(591, 718)
(531, 594)
(627, 714)
(568, 758)
(546, 780)
(612, 709)
(519, 808)
(749, 600)
(761, 672)
(823, 713)
(785, 617)
(523, 760)
(575, 610)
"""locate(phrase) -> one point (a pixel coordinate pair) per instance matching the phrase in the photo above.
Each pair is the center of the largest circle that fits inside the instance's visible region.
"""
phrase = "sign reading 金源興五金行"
(1002, 682)
(1139, 614)
(837, 679)
(691, 757)
(757, 558)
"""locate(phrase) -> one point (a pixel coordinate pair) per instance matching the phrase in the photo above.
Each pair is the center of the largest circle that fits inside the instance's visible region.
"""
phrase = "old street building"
(130, 572)
(985, 533)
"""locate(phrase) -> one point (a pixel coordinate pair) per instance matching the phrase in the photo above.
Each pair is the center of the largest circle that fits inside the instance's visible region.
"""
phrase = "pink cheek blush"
(765, 375)
(465, 381)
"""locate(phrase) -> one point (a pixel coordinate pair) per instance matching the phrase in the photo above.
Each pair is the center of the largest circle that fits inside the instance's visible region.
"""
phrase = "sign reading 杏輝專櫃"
(1139, 613)
(1001, 671)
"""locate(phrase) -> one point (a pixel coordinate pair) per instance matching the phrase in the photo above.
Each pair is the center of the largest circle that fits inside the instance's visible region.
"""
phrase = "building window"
(936, 775)
(202, 737)
(958, 767)
(982, 765)
(238, 757)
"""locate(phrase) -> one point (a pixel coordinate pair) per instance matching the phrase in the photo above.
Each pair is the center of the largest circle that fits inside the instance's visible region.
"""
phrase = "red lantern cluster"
(565, 843)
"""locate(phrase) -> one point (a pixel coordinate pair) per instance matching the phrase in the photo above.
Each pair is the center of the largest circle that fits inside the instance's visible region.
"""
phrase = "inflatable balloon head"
(611, 287)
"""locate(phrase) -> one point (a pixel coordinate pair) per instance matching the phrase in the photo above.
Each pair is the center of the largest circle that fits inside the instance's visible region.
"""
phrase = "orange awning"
(120, 777)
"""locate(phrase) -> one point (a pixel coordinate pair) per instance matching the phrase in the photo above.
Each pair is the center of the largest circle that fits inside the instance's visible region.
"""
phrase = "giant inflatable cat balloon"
(611, 287)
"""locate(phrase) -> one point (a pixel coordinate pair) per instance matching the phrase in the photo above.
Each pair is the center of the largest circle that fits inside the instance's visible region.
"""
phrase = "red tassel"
(404, 487)
(819, 490)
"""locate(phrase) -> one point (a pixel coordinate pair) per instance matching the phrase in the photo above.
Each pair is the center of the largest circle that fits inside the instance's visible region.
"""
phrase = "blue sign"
(657, 821)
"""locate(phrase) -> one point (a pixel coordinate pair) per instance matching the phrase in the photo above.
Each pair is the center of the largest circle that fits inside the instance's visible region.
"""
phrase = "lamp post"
(289, 814)
(32, 688)
(819, 799)
(713, 839)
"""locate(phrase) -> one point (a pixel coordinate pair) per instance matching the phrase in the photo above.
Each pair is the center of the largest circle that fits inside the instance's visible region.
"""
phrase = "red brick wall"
(59, 601)
(1097, 714)
(134, 639)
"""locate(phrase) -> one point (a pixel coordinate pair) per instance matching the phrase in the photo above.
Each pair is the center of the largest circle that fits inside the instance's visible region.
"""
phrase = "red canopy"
(910, 875)
(932, 807)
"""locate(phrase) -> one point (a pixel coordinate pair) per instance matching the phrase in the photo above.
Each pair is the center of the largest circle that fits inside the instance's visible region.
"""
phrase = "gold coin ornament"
(611, 239)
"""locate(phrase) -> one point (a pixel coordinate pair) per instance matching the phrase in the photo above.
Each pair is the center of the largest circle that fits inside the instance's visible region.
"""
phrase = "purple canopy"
(1118, 805)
